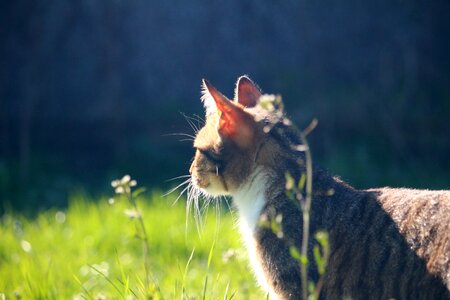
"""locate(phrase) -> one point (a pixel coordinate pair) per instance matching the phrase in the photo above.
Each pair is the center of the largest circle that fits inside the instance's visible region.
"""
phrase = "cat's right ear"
(246, 93)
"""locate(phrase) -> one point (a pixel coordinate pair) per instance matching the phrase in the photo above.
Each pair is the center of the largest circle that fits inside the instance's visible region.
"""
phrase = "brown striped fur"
(384, 243)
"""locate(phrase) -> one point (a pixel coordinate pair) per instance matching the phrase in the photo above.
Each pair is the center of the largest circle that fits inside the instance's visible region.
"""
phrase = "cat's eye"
(211, 155)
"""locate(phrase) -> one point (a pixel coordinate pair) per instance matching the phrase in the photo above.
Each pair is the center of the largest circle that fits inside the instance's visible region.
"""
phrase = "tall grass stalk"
(124, 186)
(301, 192)
(306, 206)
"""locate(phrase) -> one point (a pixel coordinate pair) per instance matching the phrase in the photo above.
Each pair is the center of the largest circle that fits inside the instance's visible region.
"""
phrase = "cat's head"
(233, 143)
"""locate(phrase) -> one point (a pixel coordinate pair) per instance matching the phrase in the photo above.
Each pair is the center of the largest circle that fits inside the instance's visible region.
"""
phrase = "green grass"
(90, 251)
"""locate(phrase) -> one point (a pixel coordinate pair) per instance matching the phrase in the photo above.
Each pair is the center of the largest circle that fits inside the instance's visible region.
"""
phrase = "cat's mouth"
(210, 183)
(202, 184)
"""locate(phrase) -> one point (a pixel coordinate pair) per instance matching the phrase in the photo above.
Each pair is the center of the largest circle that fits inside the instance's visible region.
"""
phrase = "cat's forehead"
(208, 136)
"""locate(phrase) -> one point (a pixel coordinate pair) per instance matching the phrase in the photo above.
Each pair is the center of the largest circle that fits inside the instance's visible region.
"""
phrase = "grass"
(90, 251)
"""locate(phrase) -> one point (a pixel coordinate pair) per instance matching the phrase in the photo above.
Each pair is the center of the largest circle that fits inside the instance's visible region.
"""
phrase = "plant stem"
(306, 208)
(144, 238)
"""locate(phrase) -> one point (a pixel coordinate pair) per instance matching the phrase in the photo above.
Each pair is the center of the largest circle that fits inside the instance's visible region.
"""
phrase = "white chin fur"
(214, 191)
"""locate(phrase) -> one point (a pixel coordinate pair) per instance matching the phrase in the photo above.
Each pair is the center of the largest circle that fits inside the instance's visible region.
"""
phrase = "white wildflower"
(115, 183)
(132, 214)
(26, 246)
(119, 190)
(60, 217)
(125, 179)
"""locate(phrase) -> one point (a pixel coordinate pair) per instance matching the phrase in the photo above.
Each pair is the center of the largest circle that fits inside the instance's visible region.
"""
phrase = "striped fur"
(384, 243)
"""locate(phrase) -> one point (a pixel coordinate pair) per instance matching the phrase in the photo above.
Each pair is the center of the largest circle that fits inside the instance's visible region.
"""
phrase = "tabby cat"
(384, 243)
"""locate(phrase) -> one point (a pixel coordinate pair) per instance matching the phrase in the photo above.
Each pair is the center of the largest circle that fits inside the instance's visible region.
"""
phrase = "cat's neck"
(264, 185)
(249, 200)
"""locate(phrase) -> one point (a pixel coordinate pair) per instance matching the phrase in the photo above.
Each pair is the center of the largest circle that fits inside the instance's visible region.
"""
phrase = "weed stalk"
(124, 186)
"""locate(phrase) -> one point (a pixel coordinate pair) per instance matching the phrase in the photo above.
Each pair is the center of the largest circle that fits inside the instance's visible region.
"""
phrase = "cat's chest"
(249, 206)
(249, 203)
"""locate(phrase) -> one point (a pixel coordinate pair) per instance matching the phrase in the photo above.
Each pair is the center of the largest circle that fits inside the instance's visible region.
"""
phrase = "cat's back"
(390, 243)
(423, 219)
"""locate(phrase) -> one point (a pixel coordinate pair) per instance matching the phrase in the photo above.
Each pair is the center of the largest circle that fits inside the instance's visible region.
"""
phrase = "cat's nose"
(190, 169)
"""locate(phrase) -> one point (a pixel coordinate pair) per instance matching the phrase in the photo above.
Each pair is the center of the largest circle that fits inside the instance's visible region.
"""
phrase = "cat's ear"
(234, 123)
(208, 100)
(246, 92)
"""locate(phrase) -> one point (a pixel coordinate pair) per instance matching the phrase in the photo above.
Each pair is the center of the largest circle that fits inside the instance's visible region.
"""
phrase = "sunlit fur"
(236, 165)
(243, 174)
(384, 243)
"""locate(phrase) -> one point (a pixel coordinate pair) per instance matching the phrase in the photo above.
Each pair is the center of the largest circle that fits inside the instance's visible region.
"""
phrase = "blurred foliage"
(89, 90)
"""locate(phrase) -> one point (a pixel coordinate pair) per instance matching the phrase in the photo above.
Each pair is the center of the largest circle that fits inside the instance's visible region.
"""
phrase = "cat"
(383, 243)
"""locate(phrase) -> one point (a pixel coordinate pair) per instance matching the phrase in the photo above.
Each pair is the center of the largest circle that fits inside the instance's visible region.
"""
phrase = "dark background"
(90, 90)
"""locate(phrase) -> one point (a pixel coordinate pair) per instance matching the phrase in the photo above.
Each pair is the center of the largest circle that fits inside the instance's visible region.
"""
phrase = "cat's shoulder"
(410, 195)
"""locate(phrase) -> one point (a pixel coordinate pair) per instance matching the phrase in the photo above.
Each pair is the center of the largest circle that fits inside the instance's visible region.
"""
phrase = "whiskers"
(195, 122)
(198, 201)
(185, 188)
(186, 137)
